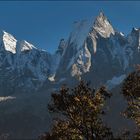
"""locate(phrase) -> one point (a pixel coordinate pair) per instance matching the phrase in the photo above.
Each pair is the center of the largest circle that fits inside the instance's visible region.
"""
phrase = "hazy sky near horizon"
(44, 23)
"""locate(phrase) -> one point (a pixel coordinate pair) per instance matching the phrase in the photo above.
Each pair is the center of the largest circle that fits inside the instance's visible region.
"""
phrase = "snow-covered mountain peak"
(8, 42)
(101, 15)
(135, 29)
(103, 26)
(90, 49)
(135, 32)
(26, 46)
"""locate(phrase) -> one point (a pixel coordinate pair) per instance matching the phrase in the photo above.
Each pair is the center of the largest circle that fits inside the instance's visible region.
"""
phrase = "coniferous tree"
(80, 111)
(131, 91)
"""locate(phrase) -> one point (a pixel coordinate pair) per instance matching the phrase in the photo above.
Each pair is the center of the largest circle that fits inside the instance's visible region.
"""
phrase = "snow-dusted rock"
(93, 51)
(8, 42)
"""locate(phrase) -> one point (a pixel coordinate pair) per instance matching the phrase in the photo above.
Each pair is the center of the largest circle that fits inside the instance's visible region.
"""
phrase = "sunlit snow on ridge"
(6, 98)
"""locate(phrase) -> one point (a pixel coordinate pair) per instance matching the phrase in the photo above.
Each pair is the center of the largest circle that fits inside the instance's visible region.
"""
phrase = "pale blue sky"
(45, 23)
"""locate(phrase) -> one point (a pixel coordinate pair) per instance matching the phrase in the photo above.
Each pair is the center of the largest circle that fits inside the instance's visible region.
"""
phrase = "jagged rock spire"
(61, 47)
(103, 26)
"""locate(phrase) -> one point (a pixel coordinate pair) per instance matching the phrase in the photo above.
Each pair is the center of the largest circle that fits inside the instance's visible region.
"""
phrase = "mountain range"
(94, 51)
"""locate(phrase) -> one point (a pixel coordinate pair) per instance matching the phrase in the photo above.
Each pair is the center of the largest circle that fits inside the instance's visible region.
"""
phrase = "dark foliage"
(80, 111)
(131, 91)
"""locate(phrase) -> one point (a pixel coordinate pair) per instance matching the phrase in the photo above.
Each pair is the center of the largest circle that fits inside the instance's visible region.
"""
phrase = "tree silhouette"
(80, 110)
(131, 91)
